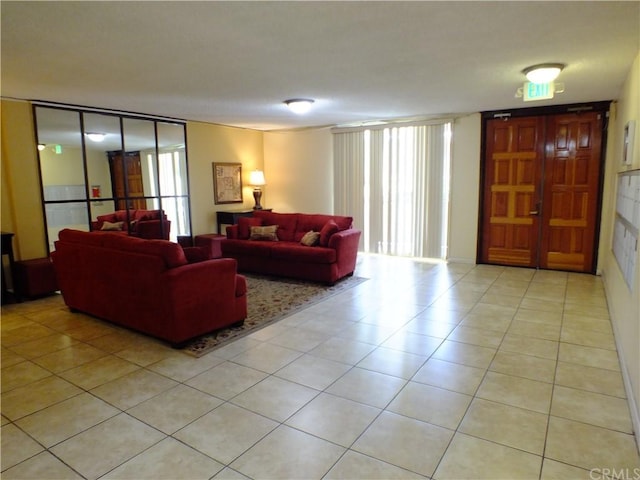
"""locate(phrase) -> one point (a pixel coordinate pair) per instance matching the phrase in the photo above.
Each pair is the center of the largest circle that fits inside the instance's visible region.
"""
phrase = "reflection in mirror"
(134, 165)
(173, 176)
(133, 171)
(61, 170)
(97, 149)
(60, 151)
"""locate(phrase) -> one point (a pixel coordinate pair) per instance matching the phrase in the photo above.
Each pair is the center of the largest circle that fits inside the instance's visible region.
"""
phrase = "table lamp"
(256, 179)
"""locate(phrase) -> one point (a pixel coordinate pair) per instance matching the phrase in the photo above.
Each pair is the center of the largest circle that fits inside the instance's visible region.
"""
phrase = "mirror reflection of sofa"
(138, 223)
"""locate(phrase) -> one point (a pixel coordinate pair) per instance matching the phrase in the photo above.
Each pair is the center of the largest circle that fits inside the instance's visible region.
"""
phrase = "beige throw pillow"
(111, 227)
(310, 238)
(267, 233)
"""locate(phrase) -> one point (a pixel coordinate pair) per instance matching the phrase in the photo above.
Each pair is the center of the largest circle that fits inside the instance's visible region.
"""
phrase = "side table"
(230, 217)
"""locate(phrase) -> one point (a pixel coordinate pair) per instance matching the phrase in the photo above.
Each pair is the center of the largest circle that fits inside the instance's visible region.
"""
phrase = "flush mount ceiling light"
(544, 72)
(299, 105)
(96, 137)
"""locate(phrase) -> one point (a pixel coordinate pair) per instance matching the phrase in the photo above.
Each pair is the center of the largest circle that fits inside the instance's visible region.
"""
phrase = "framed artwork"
(227, 182)
(627, 146)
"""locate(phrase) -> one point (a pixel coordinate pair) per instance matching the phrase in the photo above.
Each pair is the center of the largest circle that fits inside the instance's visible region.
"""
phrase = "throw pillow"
(267, 233)
(245, 224)
(329, 229)
(310, 238)
(111, 227)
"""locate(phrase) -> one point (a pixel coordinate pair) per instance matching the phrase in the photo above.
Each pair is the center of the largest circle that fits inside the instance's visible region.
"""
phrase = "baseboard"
(634, 408)
(461, 260)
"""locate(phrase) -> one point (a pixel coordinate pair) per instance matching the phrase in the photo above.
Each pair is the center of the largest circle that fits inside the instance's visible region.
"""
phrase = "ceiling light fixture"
(41, 146)
(544, 72)
(299, 105)
(96, 137)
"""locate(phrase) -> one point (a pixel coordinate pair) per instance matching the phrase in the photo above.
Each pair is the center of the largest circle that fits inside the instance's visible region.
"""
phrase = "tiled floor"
(423, 371)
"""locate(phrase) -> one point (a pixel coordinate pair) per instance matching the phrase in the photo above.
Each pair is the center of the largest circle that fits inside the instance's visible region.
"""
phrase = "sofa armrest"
(345, 243)
(232, 231)
(205, 286)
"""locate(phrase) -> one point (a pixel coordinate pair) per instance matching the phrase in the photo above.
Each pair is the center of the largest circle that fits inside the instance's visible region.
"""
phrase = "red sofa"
(148, 285)
(332, 258)
(141, 223)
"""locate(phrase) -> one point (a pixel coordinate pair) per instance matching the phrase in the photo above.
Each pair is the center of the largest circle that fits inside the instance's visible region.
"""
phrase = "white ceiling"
(234, 63)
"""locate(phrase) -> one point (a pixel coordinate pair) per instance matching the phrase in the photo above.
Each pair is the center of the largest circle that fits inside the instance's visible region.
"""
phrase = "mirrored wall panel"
(106, 171)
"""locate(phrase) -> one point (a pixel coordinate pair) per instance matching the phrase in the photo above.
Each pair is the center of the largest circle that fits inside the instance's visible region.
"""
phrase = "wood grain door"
(571, 188)
(541, 191)
(512, 176)
(127, 169)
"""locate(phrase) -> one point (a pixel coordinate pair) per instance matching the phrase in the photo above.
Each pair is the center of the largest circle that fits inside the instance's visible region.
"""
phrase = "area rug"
(270, 299)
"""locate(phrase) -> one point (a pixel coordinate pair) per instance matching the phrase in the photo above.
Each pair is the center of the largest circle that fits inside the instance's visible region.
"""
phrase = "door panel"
(512, 173)
(570, 196)
(133, 177)
(541, 191)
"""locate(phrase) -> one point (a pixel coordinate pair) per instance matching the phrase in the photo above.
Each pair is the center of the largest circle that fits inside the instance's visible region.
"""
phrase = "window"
(394, 181)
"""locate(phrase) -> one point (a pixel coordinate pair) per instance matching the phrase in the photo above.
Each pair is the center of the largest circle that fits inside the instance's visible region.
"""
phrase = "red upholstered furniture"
(148, 285)
(33, 278)
(330, 260)
(211, 243)
(141, 223)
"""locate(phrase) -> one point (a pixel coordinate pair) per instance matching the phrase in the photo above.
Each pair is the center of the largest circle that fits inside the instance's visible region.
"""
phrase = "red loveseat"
(139, 223)
(148, 285)
(331, 258)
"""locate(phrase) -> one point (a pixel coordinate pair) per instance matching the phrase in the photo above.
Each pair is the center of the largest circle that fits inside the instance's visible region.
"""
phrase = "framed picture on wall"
(227, 182)
(627, 146)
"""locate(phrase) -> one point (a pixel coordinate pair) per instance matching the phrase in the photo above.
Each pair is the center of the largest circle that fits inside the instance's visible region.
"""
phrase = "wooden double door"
(541, 191)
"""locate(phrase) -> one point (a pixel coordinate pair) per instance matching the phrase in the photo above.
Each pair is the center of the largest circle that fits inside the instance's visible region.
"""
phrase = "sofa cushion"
(171, 253)
(267, 233)
(121, 215)
(86, 238)
(246, 247)
(110, 217)
(111, 227)
(294, 252)
(316, 221)
(146, 215)
(245, 224)
(286, 223)
(310, 238)
(328, 229)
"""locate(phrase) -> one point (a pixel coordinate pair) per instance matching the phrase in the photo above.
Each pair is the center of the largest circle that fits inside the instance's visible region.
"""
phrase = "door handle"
(536, 211)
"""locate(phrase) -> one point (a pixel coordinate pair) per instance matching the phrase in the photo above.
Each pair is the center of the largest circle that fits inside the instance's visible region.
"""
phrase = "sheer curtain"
(394, 182)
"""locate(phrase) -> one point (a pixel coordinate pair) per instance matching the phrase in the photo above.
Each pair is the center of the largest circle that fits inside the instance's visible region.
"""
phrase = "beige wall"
(624, 304)
(299, 171)
(465, 185)
(208, 143)
(21, 195)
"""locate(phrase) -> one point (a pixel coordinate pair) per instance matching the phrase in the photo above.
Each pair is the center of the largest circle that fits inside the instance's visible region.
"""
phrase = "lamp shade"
(256, 178)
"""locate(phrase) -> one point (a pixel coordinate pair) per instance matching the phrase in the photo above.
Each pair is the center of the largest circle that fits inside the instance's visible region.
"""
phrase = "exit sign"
(537, 91)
